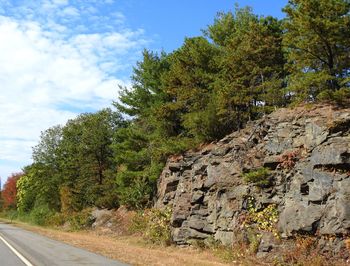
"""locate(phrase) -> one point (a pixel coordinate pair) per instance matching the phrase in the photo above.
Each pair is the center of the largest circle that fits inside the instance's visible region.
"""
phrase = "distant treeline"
(243, 67)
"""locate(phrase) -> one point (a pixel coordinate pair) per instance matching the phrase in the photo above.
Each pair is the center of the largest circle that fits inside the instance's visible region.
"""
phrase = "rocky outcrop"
(112, 222)
(307, 152)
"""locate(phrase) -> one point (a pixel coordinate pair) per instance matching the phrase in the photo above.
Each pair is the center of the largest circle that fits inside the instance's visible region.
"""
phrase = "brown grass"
(131, 250)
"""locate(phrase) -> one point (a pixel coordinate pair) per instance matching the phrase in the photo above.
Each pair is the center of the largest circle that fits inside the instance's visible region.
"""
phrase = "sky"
(59, 58)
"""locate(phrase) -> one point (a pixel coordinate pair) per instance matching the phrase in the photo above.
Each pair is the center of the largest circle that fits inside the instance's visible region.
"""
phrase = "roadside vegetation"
(242, 67)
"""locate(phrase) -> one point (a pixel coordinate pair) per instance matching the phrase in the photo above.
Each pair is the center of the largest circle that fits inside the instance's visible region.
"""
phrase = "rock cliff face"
(306, 153)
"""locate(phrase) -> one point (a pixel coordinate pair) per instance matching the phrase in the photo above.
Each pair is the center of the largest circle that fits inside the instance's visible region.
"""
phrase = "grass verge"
(129, 249)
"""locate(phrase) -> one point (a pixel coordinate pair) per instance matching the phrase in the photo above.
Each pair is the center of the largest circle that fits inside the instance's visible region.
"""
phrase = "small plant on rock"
(289, 159)
(262, 220)
(260, 177)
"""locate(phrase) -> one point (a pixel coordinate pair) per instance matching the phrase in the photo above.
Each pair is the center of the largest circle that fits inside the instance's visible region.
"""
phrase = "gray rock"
(197, 222)
(272, 161)
(336, 219)
(335, 152)
(299, 216)
(225, 237)
(209, 197)
(267, 242)
(194, 234)
(314, 134)
(101, 217)
(197, 196)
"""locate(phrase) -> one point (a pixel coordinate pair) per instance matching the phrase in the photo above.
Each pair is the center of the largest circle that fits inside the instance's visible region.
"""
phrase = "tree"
(86, 162)
(9, 192)
(73, 166)
(189, 83)
(27, 190)
(146, 91)
(317, 39)
(251, 62)
(44, 175)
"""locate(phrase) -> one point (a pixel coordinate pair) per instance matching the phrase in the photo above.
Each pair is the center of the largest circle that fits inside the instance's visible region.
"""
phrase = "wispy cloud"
(58, 58)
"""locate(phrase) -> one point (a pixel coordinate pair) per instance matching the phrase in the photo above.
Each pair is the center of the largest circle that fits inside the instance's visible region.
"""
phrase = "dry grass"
(131, 250)
(135, 251)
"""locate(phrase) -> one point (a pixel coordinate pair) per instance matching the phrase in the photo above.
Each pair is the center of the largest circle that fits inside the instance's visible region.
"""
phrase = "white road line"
(23, 259)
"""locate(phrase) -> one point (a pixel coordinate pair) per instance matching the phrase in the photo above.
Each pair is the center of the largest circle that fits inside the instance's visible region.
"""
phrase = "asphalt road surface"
(19, 247)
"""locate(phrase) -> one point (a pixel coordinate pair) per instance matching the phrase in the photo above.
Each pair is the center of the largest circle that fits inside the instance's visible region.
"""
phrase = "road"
(37, 250)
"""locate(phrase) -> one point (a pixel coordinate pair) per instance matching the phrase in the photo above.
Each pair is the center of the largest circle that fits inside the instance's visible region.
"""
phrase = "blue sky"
(63, 57)
(168, 22)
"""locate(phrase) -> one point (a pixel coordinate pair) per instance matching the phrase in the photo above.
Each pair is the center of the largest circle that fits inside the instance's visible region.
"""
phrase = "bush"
(9, 214)
(153, 225)
(136, 195)
(40, 215)
(139, 223)
(81, 220)
(58, 219)
(260, 177)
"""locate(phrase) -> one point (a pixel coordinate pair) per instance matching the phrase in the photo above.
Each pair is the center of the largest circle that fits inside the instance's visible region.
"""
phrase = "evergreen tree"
(318, 42)
(189, 82)
(251, 66)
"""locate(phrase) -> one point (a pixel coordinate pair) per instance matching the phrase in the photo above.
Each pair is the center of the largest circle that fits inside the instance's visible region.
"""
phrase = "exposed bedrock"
(307, 154)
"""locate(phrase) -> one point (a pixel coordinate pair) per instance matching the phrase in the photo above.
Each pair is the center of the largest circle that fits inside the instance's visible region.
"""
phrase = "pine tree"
(317, 39)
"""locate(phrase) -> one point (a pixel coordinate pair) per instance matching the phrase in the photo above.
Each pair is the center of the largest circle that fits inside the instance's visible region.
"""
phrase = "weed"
(289, 159)
(263, 220)
(304, 252)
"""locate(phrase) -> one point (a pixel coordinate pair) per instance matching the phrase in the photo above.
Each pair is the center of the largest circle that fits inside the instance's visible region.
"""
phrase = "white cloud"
(70, 11)
(48, 73)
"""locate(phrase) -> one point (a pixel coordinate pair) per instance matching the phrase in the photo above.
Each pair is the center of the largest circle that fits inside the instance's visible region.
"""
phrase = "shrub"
(9, 214)
(40, 215)
(81, 220)
(153, 225)
(289, 159)
(138, 223)
(135, 195)
(304, 252)
(260, 177)
(58, 219)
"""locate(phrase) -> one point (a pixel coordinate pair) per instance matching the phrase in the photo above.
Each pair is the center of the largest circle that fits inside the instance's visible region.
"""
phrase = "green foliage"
(9, 214)
(40, 215)
(73, 166)
(260, 177)
(251, 67)
(317, 42)
(341, 96)
(57, 219)
(87, 163)
(80, 220)
(154, 225)
(139, 223)
(253, 240)
(26, 193)
(261, 220)
(242, 68)
(135, 194)
(189, 83)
